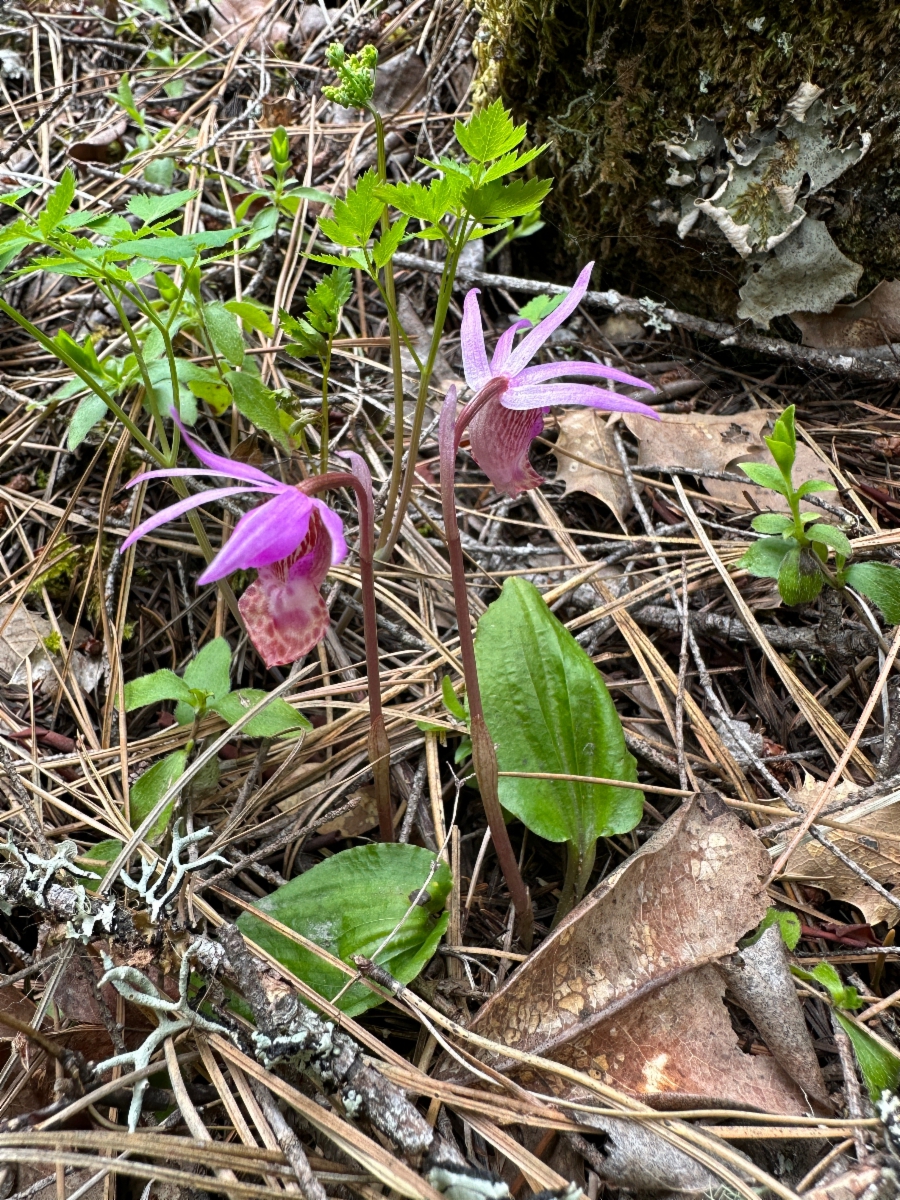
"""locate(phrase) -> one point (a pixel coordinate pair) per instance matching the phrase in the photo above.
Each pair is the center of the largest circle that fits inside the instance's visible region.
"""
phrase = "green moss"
(605, 82)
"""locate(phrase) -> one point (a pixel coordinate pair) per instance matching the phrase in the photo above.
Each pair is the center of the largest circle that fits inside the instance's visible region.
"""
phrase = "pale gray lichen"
(172, 873)
(754, 190)
(174, 1017)
(654, 319)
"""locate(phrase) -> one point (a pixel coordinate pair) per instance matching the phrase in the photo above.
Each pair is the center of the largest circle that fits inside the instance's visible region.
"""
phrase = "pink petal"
(176, 510)
(544, 371)
(532, 342)
(224, 466)
(471, 337)
(272, 486)
(335, 527)
(284, 613)
(574, 393)
(500, 439)
(505, 344)
(267, 534)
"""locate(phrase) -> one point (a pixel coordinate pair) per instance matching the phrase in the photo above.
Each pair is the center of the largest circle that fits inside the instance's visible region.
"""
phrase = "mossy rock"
(610, 83)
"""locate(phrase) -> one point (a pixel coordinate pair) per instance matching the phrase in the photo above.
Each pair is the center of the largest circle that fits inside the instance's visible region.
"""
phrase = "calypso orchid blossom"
(512, 399)
(291, 540)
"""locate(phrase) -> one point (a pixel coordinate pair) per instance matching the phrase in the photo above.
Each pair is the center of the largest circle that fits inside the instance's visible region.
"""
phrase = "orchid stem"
(379, 747)
(484, 756)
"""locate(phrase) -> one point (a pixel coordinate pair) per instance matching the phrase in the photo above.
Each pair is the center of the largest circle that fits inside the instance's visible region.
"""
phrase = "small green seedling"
(796, 552)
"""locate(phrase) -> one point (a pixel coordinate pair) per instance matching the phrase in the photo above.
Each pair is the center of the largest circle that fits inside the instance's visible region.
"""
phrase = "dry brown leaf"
(872, 321)
(233, 18)
(625, 990)
(759, 979)
(23, 638)
(103, 147)
(583, 432)
(711, 443)
(878, 856)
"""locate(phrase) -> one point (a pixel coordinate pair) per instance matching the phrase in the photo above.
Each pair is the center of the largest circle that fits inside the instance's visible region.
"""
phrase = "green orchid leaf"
(351, 904)
(878, 1064)
(814, 485)
(149, 789)
(880, 583)
(547, 709)
(799, 577)
(275, 719)
(451, 700)
(764, 558)
(151, 689)
(99, 859)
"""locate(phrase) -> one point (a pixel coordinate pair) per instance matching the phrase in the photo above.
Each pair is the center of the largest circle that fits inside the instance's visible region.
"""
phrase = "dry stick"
(289, 1143)
(682, 677)
(484, 757)
(726, 335)
(845, 757)
(852, 1093)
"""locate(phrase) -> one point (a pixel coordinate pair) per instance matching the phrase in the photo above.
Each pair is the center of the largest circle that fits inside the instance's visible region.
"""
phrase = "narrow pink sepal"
(471, 340)
(532, 342)
(573, 393)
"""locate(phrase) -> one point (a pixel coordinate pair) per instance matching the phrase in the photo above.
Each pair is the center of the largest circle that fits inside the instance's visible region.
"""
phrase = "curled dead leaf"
(626, 989)
(877, 854)
(104, 146)
(584, 439)
(872, 321)
(712, 443)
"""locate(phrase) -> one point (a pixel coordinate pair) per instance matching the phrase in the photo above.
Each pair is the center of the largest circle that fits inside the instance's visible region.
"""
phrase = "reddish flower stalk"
(360, 480)
(484, 757)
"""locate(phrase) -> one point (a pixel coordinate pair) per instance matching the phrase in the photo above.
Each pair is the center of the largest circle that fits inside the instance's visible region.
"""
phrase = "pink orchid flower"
(512, 398)
(292, 540)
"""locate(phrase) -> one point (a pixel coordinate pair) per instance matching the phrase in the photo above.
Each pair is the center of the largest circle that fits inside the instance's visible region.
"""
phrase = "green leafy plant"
(161, 170)
(313, 333)
(383, 901)
(788, 925)
(469, 197)
(205, 688)
(282, 195)
(796, 552)
(878, 1062)
(548, 710)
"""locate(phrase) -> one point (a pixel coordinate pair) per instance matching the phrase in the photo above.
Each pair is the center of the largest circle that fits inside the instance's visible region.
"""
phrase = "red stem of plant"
(359, 479)
(484, 757)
